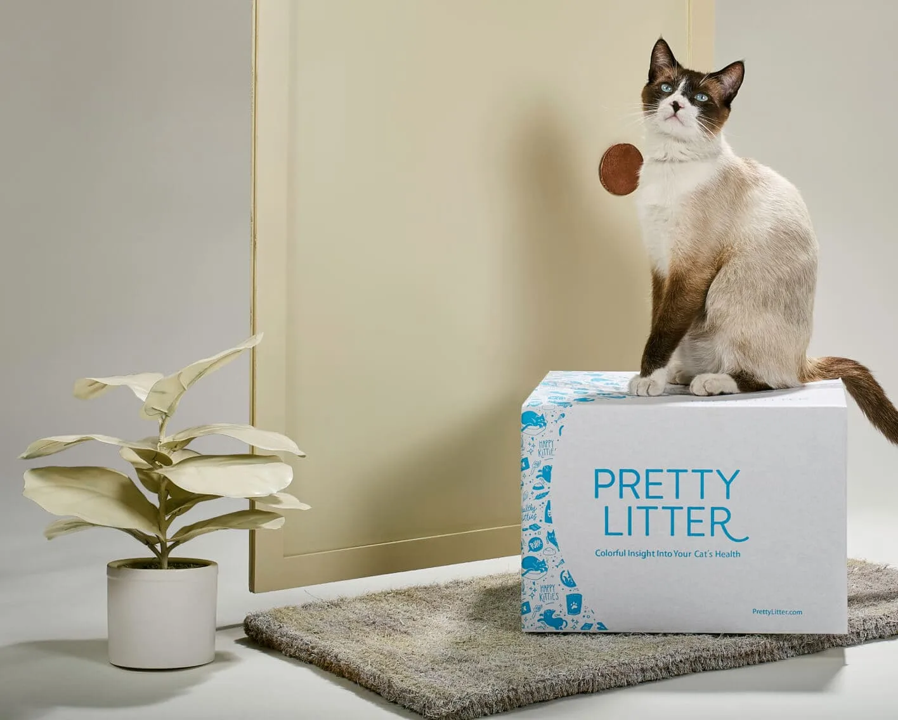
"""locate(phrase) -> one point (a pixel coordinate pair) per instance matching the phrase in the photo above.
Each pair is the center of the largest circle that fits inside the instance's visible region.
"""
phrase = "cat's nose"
(676, 106)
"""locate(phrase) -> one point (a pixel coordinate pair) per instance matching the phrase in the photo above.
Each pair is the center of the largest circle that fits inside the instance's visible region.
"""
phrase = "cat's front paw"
(653, 385)
(713, 384)
(679, 376)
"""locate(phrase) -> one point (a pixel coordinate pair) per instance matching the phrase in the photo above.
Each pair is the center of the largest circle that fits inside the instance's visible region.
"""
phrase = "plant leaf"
(260, 439)
(66, 526)
(95, 494)
(153, 457)
(135, 459)
(140, 384)
(175, 492)
(58, 443)
(240, 520)
(146, 455)
(149, 479)
(237, 476)
(179, 455)
(281, 501)
(144, 458)
(152, 481)
(183, 502)
(165, 394)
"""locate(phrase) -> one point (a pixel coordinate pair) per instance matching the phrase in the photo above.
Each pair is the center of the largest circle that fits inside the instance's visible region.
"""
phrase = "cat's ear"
(663, 60)
(730, 80)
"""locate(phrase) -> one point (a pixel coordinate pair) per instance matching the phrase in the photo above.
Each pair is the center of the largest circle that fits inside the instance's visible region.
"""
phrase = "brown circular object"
(619, 168)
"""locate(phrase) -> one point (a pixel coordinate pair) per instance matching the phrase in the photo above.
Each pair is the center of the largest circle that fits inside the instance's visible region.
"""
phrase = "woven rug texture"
(455, 651)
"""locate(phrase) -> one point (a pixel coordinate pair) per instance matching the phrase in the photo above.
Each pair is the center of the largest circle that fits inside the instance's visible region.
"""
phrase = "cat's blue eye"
(701, 97)
(665, 87)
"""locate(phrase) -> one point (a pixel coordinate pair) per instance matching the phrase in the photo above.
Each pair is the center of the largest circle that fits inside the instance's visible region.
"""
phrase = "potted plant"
(162, 608)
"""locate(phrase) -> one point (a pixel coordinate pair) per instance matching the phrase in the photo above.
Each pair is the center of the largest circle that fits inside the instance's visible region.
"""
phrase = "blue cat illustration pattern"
(548, 591)
(533, 564)
(556, 623)
(530, 419)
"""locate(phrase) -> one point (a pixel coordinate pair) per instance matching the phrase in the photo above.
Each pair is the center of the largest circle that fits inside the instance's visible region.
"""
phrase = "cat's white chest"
(662, 200)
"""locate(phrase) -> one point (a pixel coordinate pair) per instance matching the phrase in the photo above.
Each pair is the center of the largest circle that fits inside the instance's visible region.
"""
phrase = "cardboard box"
(681, 514)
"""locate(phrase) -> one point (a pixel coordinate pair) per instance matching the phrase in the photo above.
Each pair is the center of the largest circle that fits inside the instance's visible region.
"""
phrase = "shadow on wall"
(583, 304)
(585, 286)
(439, 487)
(448, 486)
(36, 677)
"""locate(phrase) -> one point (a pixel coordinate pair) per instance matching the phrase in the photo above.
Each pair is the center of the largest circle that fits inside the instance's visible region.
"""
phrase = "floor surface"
(53, 660)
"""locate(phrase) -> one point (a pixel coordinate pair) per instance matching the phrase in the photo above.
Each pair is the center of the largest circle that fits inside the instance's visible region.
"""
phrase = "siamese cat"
(733, 254)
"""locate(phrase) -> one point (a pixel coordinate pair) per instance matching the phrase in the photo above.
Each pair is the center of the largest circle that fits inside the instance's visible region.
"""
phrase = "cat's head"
(685, 104)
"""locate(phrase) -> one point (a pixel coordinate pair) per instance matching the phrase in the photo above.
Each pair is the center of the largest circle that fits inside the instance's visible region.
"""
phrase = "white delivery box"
(682, 514)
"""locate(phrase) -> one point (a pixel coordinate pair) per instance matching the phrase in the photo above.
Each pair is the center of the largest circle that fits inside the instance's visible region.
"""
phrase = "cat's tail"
(862, 387)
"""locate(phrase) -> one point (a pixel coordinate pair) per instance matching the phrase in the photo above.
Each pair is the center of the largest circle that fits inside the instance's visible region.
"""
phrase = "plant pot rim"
(120, 567)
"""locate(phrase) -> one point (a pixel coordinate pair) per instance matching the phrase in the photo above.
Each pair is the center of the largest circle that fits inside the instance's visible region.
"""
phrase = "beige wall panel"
(431, 239)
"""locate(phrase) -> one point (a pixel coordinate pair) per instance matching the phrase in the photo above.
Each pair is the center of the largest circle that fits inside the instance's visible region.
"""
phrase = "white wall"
(125, 142)
(819, 105)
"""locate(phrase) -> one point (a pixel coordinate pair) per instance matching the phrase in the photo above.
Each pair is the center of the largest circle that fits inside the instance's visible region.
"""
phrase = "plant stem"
(156, 552)
(164, 548)
(163, 525)
(150, 545)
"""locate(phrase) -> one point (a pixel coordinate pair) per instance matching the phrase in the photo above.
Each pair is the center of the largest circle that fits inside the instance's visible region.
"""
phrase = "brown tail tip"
(863, 388)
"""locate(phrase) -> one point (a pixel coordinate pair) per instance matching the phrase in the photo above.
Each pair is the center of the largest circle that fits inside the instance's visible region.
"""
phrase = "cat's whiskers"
(703, 125)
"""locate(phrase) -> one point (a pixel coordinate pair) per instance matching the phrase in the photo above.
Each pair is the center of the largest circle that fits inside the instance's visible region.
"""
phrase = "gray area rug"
(455, 651)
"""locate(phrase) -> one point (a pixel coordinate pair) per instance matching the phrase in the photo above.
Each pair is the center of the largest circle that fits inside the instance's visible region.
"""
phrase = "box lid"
(563, 388)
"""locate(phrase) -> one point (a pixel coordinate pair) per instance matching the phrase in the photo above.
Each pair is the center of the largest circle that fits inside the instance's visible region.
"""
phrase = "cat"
(733, 254)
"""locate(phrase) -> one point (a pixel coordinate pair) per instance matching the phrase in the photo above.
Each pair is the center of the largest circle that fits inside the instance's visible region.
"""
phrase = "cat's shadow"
(680, 393)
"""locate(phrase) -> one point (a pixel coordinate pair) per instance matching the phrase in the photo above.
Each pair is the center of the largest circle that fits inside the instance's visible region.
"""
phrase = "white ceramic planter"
(161, 619)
